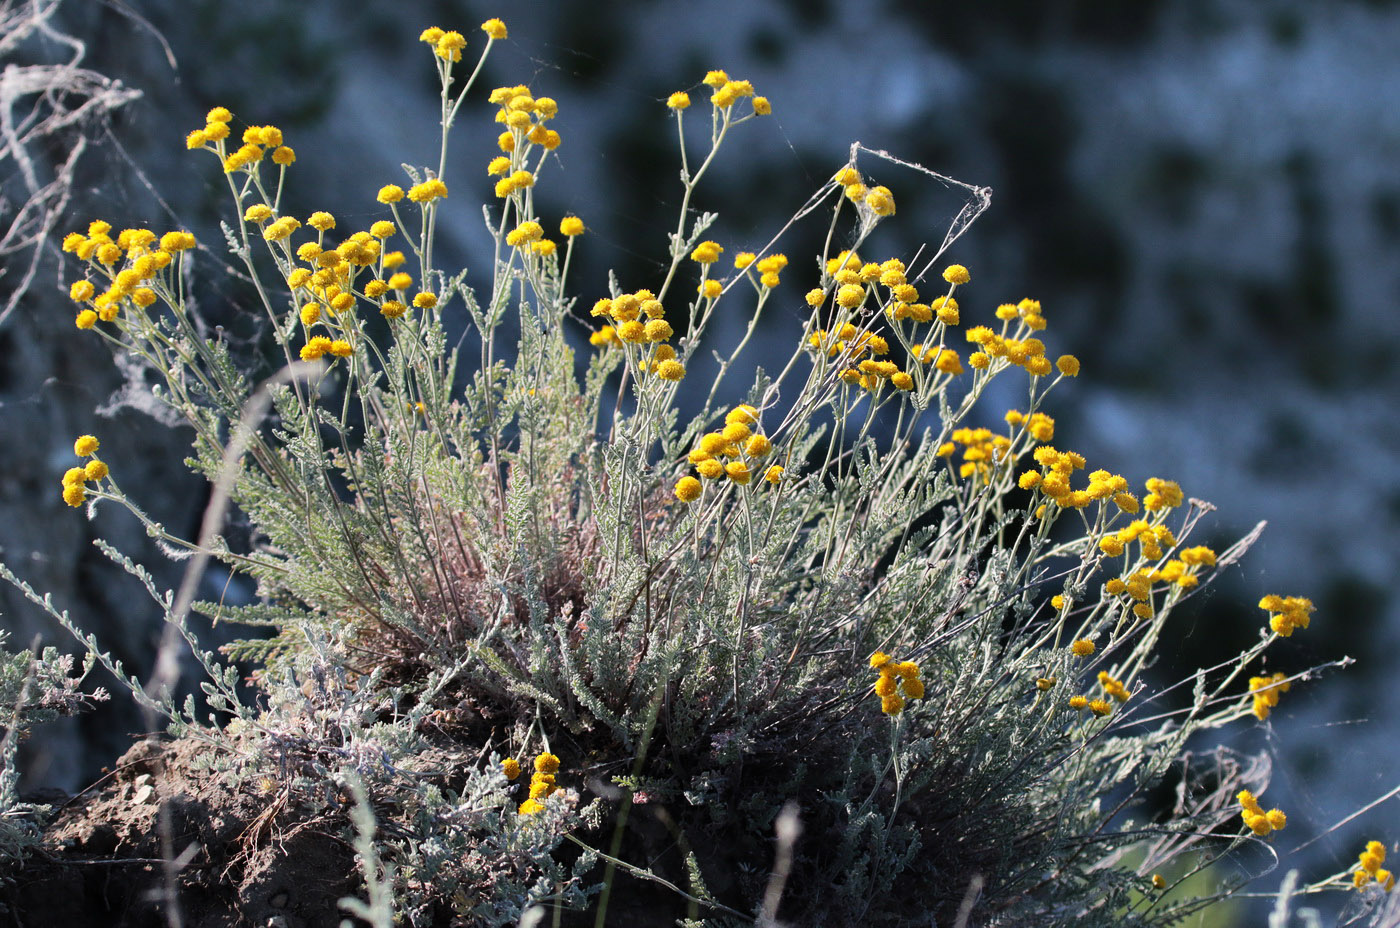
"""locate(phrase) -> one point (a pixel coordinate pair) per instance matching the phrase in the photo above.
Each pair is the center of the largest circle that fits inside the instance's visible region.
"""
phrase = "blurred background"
(1204, 195)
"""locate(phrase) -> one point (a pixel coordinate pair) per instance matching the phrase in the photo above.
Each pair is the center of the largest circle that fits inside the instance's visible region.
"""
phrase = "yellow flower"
(494, 28)
(850, 296)
(570, 226)
(678, 100)
(95, 470)
(774, 474)
(880, 201)
(85, 446)
(1083, 648)
(282, 228)
(688, 489)
(1068, 365)
(710, 469)
(74, 493)
(956, 274)
(706, 253)
(81, 291)
(389, 193)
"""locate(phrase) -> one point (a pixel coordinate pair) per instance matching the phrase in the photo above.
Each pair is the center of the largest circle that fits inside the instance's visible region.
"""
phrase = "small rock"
(143, 794)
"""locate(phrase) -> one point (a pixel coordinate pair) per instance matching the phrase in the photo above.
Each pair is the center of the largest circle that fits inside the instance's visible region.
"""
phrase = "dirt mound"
(242, 858)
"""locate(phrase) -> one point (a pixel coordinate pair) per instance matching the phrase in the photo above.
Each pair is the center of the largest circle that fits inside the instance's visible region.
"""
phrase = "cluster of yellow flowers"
(894, 677)
(142, 260)
(75, 479)
(768, 267)
(1017, 348)
(1112, 687)
(851, 284)
(1038, 425)
(542, 783)
(448, 45)
(1053, 480)
(1287, 613)
(847, 340)
(1099, 707)
(257, 142)
(725, 94)
(741, 442)
(1371, 870)
(627, 312)
(524, 117)
(983, 451)
(1266, 692)
(1256, 819)
(879, 200)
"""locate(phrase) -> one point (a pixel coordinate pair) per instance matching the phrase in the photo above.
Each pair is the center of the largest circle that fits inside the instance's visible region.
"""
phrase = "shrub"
(581, 634)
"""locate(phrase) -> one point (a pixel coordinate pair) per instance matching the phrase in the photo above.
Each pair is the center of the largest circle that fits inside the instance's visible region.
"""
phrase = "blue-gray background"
(1204, 194)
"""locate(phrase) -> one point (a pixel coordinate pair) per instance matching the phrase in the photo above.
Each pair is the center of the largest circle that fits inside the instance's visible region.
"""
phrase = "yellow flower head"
(688, 489)
(85, 446)
(956, 275)
(706, 253)
(494, 28)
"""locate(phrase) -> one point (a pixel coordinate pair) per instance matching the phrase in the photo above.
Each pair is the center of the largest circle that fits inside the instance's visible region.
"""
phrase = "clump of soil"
(243, 858)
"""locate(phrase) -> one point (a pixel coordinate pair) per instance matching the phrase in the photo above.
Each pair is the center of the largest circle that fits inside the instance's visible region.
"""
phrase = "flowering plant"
(856, 607)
